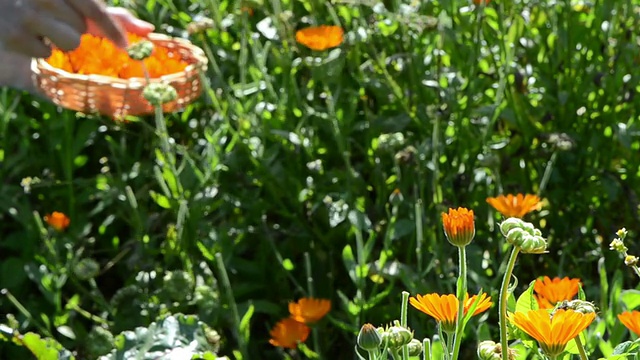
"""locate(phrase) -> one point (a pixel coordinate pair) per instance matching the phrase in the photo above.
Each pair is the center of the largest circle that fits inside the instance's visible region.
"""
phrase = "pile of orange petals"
(99, 56)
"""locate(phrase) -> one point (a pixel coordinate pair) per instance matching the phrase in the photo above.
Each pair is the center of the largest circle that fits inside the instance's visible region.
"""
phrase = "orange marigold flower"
(444, 308)
(287, 333)
(57, 220)
(459, 226)
(552, 333)
(320, 37)
(309, 310)
(631, 320)
(550, 292)
(480, 2)
(99, 56)
(515, 205)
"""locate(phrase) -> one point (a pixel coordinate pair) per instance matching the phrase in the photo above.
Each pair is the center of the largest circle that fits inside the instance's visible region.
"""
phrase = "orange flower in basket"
(320, 37)
(99, 56)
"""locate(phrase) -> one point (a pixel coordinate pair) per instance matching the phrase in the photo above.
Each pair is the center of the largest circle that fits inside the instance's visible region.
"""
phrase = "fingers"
(60, 34)
(127, 20)
(131, 23)
(96, 11)
(28, 45)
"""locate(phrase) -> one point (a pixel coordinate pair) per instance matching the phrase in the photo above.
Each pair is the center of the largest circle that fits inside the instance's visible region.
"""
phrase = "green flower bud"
(622, 233)
(178, 285)
(534, 245)
(99, 342)
(489, 350)
(631, 260)
(396, 197)
(415, 347)
(516, 236)
(369, 339)
(140, 50)
(510, 223)
(618, 246)
(157, 93)
(529, 228)
(86, 269)
(581, 306)
(398, 336)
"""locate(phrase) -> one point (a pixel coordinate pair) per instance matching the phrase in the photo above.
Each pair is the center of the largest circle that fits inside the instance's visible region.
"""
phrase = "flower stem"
(403, 321)
(461, 292)
(426, 352)
(504, 294)
(581, 350)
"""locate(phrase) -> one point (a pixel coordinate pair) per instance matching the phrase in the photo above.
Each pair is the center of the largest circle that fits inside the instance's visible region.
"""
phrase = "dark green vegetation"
(288, 164)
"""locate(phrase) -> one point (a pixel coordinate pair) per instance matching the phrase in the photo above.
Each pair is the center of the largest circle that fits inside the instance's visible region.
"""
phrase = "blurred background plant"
(323, 173)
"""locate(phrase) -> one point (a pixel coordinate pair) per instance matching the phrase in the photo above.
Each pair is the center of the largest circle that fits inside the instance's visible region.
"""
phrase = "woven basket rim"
(131, 83)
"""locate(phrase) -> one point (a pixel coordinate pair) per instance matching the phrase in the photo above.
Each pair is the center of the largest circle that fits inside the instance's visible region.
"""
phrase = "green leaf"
(630, 298)
(160, 199)
(245, 323)
(527, 301)
(176, 336)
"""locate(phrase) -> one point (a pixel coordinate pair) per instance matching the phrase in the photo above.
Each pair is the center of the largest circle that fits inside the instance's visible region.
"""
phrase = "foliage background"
(287, 167)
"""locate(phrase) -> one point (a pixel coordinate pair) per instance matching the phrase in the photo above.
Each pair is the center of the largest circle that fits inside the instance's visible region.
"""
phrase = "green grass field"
(302, 173)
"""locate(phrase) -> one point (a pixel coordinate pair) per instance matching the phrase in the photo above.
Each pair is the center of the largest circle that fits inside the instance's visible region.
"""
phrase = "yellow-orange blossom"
(444, 308)
(552, 333)
(99, 56)
(631, 320)
(515, 205)
(459, 226)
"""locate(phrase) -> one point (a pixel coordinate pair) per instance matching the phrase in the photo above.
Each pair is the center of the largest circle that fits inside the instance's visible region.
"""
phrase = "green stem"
(403, 321)
(426, 352)
(504, 293)
(449, 344)
(581, 350)
(226, 285)
(462, 291)
(314, 331)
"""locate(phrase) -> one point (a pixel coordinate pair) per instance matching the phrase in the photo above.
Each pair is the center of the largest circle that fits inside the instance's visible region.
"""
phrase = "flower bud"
(581, 306)
(516, 236)
(415, 347)
(489, 350)
(396, 197)
(622, 233)
(631, 260)
(529, 228)
(86, 269)
(369, 339)
(534, 245)
(157, 93)
(398, 336)
(140, 50)
(510, 223)
(618, 246)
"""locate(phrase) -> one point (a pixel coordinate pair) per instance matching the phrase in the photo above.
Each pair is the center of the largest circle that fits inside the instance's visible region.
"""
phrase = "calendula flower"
(515, 205)
(99, 56)
(320, 37)
(444, 308)
(309, 310)
(552, 333)
(57, 220)
(631, 320)
(550, 292)
(288, 333)
(459, 226)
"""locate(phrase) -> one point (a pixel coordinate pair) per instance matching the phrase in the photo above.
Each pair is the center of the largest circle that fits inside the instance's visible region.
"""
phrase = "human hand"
(26, 22)
(15, 67)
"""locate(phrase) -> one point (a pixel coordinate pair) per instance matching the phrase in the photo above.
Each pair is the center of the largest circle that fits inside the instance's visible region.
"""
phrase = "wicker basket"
(117, 97)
